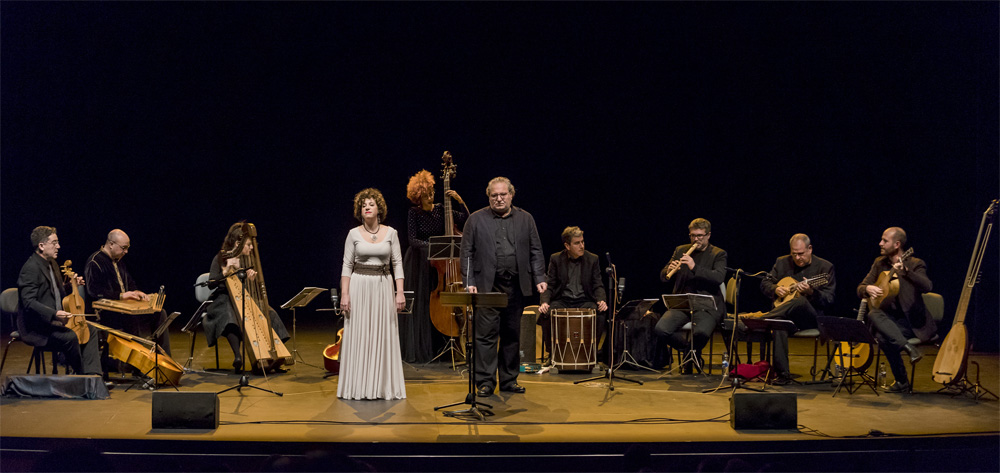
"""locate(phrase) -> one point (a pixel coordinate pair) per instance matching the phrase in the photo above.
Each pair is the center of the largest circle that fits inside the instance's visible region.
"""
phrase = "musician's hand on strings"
(400, 301)
(686, 259)
(63, 316)
(602, 306)
(233, 263)
(473, 290)
(873, 291)
(542, 286)
(899, 267)
(251, 274)
(80, 281)
(543, 308)
(133, 295)
(454, 195)
(804, 287)
(780, 291)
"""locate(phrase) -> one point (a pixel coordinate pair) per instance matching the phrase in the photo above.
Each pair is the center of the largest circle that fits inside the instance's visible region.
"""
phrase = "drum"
(574, 347)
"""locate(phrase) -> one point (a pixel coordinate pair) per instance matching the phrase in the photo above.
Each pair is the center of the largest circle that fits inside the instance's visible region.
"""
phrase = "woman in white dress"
(370, 363)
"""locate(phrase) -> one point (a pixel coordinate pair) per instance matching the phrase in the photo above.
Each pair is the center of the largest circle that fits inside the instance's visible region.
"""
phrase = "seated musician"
(696, 268)
(40, 291)
(109, 278)
(905, 315)
(574, 280)
(810, 299)
(221, 318)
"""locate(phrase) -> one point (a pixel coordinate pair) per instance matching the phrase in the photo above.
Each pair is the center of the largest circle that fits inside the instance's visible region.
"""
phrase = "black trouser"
(704, 323)
(799, 311)
(82, 359)
(545, 321)
(893, 332)
(503, 323)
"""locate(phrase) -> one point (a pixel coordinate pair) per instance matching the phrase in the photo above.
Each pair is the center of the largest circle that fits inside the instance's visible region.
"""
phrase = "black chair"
(8, 305)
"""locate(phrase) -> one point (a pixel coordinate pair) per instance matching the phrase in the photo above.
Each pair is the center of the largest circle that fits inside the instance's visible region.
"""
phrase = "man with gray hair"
(811, 293)
(501, 244)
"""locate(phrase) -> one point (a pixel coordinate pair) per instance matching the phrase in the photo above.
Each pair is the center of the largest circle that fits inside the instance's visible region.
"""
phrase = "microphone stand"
(736, 382)
(610, 372)
(245, 378)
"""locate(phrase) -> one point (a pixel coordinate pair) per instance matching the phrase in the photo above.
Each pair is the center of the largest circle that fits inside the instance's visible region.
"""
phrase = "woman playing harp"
(221, 318)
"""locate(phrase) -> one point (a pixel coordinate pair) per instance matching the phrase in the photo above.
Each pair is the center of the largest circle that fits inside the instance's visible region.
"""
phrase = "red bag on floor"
(747, 371)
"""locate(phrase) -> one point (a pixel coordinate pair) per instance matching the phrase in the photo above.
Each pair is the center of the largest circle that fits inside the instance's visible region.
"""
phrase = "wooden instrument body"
(889, 284)
(331, 354)
(124, 347)
(952, 359)
(860, 354)
(789, 283)
(131, 306)
(73, 303)
(448, 320)
(264, 348)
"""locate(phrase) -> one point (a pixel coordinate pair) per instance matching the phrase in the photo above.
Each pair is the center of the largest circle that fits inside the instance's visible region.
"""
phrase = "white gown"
(371, 366)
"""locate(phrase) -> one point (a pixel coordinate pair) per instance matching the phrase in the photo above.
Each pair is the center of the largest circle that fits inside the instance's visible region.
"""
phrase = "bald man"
(108, 278)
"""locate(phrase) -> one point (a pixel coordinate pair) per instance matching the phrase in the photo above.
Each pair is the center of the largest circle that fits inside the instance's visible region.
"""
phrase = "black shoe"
(688, 368)
(899, 387)
(514, 388)
(109, 385)
(484, 391)
(238, 365)
(782, 379)
(915, 354)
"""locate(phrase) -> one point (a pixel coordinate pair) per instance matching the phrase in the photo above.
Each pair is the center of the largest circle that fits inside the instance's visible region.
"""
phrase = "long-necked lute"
(953, 357)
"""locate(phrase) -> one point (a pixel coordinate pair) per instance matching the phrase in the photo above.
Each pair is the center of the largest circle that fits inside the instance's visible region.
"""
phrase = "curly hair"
(420, 183)
(374, 194)
(40, 235)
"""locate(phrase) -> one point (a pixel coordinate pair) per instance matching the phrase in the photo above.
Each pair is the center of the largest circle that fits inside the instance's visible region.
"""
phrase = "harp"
(264, 349)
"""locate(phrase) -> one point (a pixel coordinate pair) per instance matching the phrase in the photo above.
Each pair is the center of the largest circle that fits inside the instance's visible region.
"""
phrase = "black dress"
(415, 330)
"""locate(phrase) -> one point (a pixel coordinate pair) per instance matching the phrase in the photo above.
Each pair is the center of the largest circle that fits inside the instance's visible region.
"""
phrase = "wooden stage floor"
(670, 417)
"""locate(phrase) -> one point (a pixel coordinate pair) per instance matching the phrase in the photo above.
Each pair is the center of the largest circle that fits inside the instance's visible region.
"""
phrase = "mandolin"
(889, 283)
(447, 320)
(73, 303)
(788, 282)
(953, 357)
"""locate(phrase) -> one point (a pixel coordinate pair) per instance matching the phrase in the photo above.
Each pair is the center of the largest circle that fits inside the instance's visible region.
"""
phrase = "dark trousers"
(82, 359)
(499, 325)
(545, 321)
(672, 321)
(893, 331)
(798, 310)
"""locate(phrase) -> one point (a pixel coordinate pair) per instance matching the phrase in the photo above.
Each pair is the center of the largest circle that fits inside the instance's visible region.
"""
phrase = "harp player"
(221, 318)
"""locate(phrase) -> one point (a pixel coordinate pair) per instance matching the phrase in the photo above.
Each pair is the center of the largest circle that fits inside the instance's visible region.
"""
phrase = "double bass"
(264, 349)
(447, 320)
(953, 357)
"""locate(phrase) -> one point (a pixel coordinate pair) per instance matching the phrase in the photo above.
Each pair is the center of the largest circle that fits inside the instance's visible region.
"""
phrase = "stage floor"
(553, 410)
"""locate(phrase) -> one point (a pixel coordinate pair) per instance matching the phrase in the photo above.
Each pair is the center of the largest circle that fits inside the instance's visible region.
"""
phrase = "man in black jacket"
(574, 280)
(905, 315)
(40, 291)
(501, 244)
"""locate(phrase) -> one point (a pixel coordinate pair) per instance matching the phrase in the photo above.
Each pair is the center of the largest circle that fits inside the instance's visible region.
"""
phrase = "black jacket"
(590, 276)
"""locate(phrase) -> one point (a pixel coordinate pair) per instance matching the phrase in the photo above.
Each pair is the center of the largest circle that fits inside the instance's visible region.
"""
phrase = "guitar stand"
(245, 378)
(965, 386)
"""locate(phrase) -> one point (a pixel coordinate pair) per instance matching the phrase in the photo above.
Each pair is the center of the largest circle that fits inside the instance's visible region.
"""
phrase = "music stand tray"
(302, 299)
(444, 247)
(842, 329)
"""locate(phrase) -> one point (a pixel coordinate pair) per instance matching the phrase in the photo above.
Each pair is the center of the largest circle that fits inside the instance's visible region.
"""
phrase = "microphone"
(335, 298)
(211, 283)
(610, 264)
(621, 287)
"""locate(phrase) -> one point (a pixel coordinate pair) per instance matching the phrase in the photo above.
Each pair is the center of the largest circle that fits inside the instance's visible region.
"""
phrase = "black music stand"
(302, 299)
(155, 370)
(471, 301)
(629, 307)
(191, 327)
(439, 248)
(689, 303)
(842, 329)
(641, 307)
(244, 378)
(769, 325)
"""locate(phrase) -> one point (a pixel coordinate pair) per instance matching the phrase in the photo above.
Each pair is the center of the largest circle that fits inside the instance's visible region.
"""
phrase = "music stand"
(769, 325)
(842, 329)
(443, 248)
(689, 303)
(191, 327)
(609, 373)
(471, 301)
(638, 306)
(302, 299)
(155, 370)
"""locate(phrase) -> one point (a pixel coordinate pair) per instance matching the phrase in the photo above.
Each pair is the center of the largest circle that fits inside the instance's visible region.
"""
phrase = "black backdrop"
(173, 120)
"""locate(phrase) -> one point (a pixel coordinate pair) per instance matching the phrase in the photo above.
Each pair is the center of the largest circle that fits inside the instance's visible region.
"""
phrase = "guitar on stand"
(950, 367)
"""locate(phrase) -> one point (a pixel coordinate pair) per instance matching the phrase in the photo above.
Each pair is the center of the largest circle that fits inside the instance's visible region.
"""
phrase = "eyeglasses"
(697, 236)
(123, 247)
(499, 195)
(54, 242)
